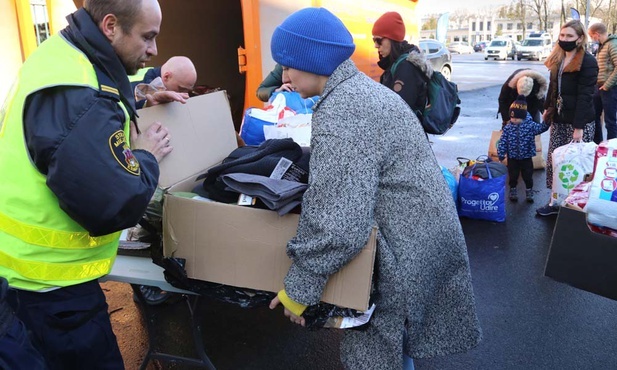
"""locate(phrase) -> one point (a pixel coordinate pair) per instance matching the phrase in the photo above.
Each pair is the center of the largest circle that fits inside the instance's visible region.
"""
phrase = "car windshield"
(532, 42)
(498, 43)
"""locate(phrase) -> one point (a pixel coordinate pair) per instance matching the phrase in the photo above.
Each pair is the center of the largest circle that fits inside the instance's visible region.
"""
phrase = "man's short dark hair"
(598, 28)
(126, 11)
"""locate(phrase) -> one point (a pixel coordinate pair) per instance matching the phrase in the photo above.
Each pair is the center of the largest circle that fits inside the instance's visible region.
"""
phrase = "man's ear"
(109, 26)
(166, 76)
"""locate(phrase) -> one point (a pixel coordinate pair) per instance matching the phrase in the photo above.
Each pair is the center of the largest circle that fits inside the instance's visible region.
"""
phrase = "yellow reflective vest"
(139, 76)
(41, 247)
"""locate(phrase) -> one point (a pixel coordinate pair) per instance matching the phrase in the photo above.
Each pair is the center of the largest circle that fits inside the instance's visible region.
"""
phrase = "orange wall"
(11, 58)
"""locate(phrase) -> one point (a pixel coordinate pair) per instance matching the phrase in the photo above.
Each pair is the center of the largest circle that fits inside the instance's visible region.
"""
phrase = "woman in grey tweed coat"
(372, 165)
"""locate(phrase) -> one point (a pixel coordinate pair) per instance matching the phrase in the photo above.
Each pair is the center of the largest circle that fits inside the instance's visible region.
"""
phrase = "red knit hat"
(390, 25)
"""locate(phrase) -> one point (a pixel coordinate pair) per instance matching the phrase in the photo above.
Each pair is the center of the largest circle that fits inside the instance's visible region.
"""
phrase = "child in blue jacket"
(518, 144)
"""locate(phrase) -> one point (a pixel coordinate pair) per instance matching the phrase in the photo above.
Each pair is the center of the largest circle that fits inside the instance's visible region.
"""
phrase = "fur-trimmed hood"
(523, 80)
(574, 65)
(418, 58)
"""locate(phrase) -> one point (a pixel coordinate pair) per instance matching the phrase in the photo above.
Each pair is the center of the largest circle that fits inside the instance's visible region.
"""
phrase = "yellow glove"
(293, 306)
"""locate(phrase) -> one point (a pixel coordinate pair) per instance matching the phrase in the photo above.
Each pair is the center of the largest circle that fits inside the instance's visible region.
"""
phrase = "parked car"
(480, 46)
(438, 55)
(502, 48)
(460, 47)
(534, 48)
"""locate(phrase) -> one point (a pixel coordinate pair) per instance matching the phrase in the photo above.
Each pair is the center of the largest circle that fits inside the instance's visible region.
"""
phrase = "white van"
(500, 48)
(537, 46)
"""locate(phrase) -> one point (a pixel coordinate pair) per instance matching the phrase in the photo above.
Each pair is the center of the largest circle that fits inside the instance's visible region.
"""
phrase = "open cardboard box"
(229, 244)
(580, 257)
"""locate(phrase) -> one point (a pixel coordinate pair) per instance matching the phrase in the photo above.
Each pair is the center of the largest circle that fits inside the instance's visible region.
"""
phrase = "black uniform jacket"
(69, 131)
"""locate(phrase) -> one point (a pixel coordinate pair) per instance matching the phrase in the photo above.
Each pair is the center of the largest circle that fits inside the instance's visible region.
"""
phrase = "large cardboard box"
(581, 258)
(230, 244)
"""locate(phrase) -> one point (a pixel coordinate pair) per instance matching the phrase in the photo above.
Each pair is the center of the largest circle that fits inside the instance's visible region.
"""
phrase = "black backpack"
(442, 106)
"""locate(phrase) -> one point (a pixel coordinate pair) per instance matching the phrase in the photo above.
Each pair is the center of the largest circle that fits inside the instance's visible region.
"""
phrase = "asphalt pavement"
(529, 321)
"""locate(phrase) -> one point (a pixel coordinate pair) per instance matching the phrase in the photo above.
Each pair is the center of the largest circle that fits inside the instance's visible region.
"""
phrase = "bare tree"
(518, 11)
(538, 7)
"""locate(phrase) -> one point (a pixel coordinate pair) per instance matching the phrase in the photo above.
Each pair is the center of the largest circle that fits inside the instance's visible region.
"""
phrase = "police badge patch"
(123, 154)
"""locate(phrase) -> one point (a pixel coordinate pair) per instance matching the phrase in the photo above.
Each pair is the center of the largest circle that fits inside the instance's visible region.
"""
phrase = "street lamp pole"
(587, 14)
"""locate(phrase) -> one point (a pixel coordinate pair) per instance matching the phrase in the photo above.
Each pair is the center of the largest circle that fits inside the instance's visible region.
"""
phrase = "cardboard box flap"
(202, 134)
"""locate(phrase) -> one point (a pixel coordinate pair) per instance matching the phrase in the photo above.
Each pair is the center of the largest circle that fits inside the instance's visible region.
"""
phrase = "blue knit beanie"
(312, 40)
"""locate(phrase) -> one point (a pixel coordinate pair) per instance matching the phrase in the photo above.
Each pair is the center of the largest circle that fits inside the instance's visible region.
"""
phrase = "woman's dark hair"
(126, 11)
(399, 48)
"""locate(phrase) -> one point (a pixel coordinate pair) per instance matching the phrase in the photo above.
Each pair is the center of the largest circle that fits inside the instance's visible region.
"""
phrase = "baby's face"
(516, 121)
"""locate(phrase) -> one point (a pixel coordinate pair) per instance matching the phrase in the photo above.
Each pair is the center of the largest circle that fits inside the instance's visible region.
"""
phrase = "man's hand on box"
(161, 97)
(154, 140)
(293, 309)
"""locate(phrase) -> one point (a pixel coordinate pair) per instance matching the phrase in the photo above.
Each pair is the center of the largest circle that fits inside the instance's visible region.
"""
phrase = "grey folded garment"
(279, 195)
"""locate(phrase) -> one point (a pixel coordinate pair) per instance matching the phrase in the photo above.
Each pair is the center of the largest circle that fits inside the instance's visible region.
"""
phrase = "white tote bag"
(570, 164)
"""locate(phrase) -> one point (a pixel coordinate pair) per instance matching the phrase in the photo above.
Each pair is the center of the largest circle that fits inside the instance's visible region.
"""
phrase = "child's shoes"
(529, 195)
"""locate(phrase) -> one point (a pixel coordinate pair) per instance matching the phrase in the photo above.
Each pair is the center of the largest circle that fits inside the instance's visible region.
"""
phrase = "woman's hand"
(285, 87)
(577, 136)
(546, 116)
(293, 318)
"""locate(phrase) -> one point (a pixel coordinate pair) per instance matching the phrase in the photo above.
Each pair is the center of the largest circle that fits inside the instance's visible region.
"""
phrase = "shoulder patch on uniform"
(398, 85)
(123, 154)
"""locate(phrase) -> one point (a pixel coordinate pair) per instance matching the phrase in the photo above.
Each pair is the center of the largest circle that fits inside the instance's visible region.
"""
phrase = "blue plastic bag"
(482, 199)
(295, 102)
(452, 184)
(252, 131)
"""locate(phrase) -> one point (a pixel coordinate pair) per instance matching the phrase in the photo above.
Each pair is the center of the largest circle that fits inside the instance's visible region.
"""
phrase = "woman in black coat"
(406, 71)
(569, 102)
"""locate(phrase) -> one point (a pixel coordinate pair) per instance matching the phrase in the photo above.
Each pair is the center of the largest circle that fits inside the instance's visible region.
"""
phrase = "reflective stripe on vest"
(53, 238)
(139, 76)
(41, 247)
(37, 271)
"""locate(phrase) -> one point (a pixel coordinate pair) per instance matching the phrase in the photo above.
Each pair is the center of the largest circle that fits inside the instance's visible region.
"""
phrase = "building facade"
(475, 28)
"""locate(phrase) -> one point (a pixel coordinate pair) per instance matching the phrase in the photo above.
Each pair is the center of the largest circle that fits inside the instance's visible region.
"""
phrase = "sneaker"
(153, 295)
(529, 195)
(547, 210)
(513, 194)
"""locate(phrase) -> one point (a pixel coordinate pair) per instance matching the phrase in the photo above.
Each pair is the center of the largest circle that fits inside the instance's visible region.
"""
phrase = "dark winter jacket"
(578, 83)
(526, 82)
(68, 131)
(273, 81)
(518, 140)
(409, 79)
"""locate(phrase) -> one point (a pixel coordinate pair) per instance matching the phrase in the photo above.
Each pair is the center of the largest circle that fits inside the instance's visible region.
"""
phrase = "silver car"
(438, 55)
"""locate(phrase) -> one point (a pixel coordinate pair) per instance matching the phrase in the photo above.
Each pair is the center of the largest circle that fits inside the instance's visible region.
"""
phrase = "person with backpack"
(409, 80)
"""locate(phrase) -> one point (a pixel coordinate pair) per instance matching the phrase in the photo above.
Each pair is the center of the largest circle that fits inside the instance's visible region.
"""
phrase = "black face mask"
(567, 45)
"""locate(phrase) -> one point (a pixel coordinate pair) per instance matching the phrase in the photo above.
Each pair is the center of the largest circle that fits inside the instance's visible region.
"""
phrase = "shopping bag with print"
(602, 203)
(483, 198)
(252, 129)
(570, 164)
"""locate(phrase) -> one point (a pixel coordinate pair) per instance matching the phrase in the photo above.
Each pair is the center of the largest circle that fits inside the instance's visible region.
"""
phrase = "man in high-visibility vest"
(76, 171)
